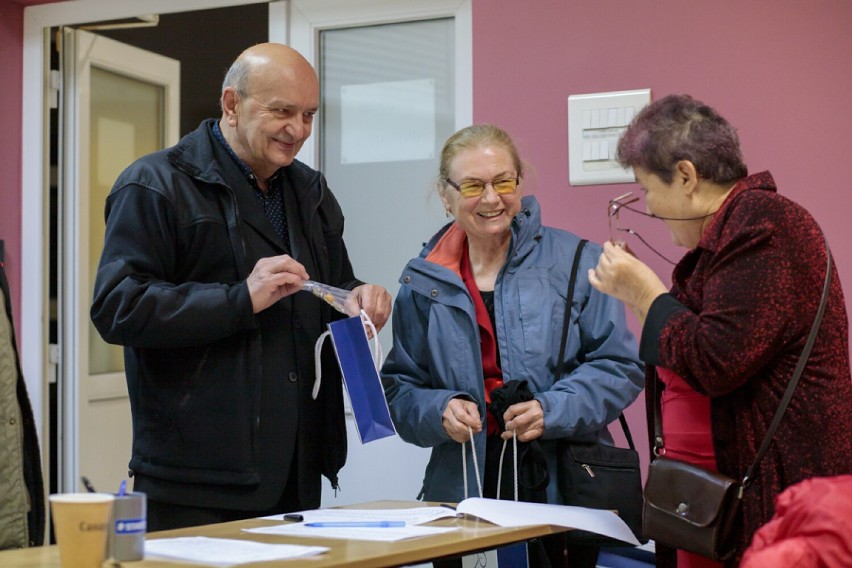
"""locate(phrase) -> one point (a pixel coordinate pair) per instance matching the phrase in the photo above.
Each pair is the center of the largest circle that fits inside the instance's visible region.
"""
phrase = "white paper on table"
(518, 513)
(411, 516)
(225, 551)
(382, 534)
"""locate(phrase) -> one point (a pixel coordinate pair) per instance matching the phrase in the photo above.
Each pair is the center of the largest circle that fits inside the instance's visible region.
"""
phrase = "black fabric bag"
(598, 476)
(532, 476)
(531, 462)
(594, 475)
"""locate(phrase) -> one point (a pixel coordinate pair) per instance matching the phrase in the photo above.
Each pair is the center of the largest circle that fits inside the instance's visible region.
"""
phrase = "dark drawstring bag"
(532, 476)
(532, 465)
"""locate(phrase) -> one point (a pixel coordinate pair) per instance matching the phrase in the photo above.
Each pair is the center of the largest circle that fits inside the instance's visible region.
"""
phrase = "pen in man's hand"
(358, 524)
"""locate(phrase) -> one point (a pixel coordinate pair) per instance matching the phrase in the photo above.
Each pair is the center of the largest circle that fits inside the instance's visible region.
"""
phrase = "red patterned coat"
(740, 309)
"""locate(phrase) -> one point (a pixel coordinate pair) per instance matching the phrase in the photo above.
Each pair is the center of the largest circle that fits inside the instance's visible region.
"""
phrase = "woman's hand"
(460, 414)
(623, 276)
(526, 419)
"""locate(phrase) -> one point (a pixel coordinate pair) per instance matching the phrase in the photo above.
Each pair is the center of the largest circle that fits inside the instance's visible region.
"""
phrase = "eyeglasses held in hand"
(476, 187)
(613, 210)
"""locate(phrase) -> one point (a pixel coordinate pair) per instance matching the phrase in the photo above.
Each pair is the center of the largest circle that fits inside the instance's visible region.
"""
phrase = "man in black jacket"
(207, 244)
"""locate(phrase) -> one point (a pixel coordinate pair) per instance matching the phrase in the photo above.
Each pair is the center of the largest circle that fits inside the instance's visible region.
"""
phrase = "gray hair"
(237, 77)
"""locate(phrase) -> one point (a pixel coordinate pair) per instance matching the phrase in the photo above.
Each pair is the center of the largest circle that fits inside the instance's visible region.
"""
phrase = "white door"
(120, 102)
(396, 82)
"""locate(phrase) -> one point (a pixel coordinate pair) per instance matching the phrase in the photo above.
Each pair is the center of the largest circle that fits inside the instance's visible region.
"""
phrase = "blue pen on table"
(357, 524)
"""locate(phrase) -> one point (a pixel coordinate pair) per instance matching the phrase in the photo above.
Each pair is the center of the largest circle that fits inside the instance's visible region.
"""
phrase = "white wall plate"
(595, 122)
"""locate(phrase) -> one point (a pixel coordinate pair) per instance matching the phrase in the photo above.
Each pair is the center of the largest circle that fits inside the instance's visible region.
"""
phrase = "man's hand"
(526, 419)
(458, 415)
(375, 301)
(274, 278)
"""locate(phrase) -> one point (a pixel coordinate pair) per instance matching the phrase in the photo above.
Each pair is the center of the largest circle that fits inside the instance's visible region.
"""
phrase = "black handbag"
(595, 475)
(692, 509)
(598, 476)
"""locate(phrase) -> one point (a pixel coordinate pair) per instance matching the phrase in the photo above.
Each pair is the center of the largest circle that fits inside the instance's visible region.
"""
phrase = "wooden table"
(474, 535)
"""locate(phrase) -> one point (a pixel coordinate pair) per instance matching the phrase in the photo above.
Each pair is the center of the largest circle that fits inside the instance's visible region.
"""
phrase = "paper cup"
(81, 522)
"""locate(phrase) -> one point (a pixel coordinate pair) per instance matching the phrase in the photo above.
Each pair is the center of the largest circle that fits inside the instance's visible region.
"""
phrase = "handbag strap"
(797, 373)
(788, 393)
(569, 299)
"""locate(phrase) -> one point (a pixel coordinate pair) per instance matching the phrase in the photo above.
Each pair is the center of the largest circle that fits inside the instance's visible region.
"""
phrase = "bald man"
(207, 244)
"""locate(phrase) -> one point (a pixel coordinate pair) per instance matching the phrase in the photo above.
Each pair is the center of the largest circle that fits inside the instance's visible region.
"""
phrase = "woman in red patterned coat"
(727, 337)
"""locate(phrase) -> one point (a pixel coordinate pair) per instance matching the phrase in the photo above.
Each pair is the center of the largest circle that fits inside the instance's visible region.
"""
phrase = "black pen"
(294, 517)
(87, 484)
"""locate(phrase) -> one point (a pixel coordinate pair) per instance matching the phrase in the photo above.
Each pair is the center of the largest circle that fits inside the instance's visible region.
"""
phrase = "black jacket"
(220, 396)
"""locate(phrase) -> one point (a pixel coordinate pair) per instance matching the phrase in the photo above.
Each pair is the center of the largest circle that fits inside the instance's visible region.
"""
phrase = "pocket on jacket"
(197, 416)
(538, 314)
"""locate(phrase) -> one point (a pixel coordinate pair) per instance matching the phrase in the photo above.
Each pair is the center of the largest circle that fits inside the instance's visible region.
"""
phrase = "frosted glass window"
(387, 106)
(377, 121)
(125, 122)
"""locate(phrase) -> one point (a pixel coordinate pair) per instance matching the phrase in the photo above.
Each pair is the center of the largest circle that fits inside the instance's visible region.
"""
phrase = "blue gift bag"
(369, 406)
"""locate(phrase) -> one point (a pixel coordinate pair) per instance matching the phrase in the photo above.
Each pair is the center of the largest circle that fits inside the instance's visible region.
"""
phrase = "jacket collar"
(203, 157)
(446, 247)
(760, 181)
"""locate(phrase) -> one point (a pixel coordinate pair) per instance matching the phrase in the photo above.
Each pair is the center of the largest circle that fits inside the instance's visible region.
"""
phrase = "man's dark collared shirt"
(272, 199)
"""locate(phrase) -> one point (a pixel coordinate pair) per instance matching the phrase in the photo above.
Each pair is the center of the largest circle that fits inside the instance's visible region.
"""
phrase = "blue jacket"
(436, 353)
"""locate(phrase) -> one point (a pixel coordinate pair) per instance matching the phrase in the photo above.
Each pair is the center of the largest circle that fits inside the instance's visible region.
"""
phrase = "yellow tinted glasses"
(475, 187)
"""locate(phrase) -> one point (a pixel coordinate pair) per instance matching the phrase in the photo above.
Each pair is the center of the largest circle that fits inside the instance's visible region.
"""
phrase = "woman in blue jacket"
(483, 305)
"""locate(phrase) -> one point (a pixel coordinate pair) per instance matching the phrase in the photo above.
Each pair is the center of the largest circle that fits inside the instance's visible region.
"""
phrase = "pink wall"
(11, 48)
(777, 69)
(11, 85)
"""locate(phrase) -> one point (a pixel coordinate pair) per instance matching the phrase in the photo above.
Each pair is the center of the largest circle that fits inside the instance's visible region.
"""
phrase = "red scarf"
(491, 372)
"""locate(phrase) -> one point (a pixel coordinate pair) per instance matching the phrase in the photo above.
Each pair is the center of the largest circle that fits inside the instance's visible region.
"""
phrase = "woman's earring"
(447, 213)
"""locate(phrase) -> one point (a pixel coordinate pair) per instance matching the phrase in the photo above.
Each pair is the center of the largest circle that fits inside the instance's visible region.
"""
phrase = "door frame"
(83, 51)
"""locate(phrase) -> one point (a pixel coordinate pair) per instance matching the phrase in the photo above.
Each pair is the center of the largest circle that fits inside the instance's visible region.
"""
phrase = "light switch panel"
(595, 122)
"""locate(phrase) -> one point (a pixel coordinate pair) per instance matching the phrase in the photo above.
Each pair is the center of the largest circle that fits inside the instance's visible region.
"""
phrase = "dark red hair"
(678, 127)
